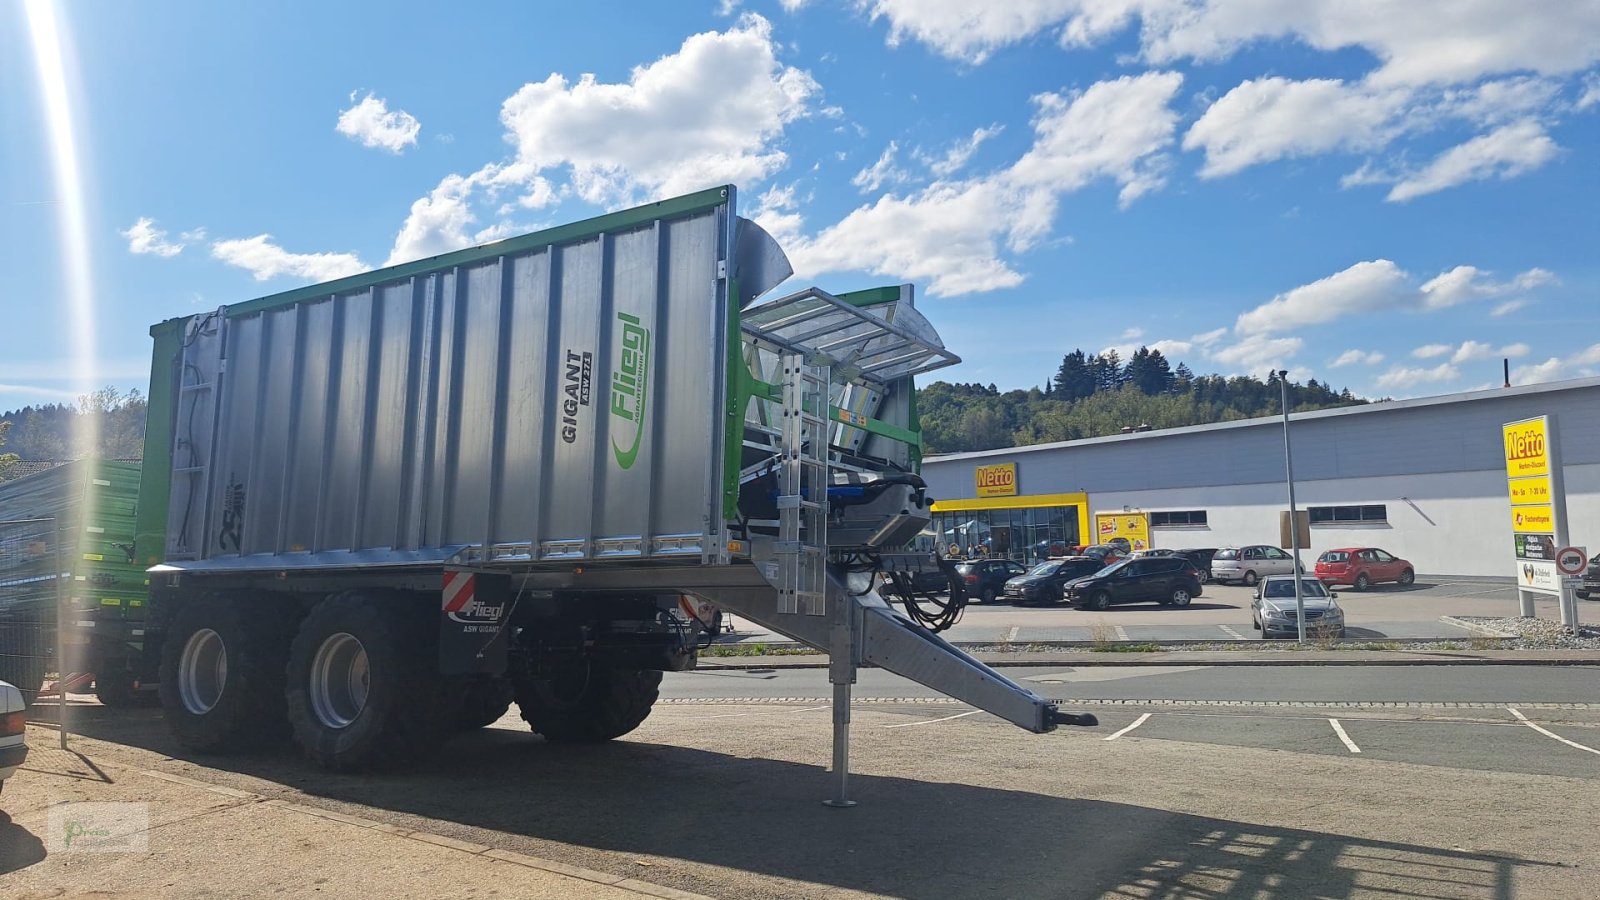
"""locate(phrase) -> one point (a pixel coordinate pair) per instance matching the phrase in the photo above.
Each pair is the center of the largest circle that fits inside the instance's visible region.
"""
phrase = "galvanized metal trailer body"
(592, 411)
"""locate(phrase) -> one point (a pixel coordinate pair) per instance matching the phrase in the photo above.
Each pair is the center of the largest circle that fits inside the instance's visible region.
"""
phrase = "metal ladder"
(189, 516)
(802, 545)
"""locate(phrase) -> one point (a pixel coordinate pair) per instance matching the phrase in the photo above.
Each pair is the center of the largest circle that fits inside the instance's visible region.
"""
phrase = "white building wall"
(1436, 466)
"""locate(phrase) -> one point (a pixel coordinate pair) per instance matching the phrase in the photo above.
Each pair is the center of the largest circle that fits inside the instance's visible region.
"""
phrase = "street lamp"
(1294, 522)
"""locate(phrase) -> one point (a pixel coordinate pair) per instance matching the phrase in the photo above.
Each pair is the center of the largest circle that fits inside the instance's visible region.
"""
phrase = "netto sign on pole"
(1538, 520)
(998, 480)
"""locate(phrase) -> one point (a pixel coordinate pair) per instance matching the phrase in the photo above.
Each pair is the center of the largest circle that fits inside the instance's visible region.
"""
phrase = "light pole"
(1294, 521)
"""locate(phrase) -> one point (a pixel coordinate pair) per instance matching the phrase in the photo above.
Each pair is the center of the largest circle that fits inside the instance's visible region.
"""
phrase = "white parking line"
(1228, 630)
(1012, 634)
(1518, 713)
(763, 711)
(1339, 730)
(970, 712)
(1122, 633)
(1136, 723)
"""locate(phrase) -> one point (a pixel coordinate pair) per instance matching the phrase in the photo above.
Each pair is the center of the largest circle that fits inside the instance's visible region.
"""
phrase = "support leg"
(841, 748)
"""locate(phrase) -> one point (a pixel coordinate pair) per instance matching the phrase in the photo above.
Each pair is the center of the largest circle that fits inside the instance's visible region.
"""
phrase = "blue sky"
(1389, 195)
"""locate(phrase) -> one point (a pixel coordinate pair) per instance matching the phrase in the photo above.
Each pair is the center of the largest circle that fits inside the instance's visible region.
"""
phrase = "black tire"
(1180, 597)
(399, 720)
(1362, 582)
(248, 710)
(1408, 577)
(1059, 597)
(588, 704)
(1100, 600)
(117, 690)
(1255, 623)
(986, 596)
(483, 703)
(1250, 578)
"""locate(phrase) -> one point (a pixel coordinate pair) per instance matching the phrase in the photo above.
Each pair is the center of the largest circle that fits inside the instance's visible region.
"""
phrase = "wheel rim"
(204, 673)
(1361, 582)
(1249, 578)
(1102, 601)
(1180, 598)
(339, 680)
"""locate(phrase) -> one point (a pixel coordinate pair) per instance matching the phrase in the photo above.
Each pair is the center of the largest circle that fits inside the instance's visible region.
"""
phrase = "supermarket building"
(1424, 479)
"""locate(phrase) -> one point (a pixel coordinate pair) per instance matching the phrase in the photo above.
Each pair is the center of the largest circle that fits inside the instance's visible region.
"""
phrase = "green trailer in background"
(72, 527)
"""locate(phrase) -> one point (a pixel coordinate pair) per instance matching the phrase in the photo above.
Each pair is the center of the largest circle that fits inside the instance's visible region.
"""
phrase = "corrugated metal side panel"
(560, 403)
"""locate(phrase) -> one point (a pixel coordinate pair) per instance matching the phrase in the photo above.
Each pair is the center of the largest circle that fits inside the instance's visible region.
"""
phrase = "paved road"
(1223, 614)
(1480, 718)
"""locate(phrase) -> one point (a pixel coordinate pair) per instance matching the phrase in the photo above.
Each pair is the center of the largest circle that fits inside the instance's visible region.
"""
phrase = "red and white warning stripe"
(459, 588)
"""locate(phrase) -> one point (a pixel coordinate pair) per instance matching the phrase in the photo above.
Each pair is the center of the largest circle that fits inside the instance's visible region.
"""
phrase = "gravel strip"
(1539, 634)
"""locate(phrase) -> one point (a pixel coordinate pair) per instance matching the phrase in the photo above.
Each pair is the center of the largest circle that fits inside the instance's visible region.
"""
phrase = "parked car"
(1045, 582)
(1106, 553)
(986, 578)
(1201, 557)
(1273, 611)
(13, 742)
(1168, 580)
(1363, 566)
(1121, 543)
(1153, 551)
(1250, 564)
(1589, 587)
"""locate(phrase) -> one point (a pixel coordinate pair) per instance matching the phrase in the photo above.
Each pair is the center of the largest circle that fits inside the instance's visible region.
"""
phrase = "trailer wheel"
(483, 703)
(588, 704)
(222, 675)
(362, 692)
(116, 689)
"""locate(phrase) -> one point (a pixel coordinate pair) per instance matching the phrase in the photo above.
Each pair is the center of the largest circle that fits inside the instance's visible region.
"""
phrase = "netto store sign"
(1531, 486)
(996, 481)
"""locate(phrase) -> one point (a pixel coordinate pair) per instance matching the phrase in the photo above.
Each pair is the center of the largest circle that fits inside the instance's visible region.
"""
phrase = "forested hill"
(1093, 396)
(50, 432)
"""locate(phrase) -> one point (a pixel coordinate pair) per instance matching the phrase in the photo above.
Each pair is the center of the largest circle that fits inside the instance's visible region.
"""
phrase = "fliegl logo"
(630, 389)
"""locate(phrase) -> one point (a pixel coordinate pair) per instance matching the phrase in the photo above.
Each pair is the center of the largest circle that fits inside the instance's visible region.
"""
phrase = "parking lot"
(1199, 782)
(1222, 613)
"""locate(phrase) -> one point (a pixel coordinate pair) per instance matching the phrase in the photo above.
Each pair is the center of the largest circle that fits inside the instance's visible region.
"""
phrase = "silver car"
(1273, 611)
(1250, 564)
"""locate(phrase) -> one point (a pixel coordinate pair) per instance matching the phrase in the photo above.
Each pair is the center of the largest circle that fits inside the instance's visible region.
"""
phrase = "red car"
(1362, 566)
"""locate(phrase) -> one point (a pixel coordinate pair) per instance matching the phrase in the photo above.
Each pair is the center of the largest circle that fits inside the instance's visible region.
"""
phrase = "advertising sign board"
(1135, 526)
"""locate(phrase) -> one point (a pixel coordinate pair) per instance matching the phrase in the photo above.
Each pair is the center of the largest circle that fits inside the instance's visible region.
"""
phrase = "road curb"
(1475, 628)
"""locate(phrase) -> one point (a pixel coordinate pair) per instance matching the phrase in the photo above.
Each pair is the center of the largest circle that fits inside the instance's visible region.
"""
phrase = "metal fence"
(33, 592)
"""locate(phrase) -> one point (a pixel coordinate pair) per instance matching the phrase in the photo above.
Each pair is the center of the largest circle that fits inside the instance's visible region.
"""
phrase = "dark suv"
(1589, 588)
(986, 578)
(1043, 583)
(1167, 580)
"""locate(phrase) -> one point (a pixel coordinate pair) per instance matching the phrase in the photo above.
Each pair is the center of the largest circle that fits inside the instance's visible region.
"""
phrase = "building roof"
(1361, 410)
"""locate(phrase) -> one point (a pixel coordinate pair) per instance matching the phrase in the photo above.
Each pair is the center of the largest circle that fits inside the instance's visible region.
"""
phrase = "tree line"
(1094, 396)
(51, 431)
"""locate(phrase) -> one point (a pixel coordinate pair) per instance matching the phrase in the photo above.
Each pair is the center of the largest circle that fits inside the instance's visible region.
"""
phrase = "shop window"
(1178, 518)
(1376, 514)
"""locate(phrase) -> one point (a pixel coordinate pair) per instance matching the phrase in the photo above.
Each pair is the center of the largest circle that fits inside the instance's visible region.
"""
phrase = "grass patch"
(1375, 645)
(1486, 643)
(1125, 648)
(726, 650)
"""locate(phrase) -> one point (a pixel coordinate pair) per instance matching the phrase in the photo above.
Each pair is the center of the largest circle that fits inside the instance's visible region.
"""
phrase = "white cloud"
(708, 114)
(882, 172)
(1503, 153)
(1378, 284)
(1414, 41)
(1477, 351)
(1255, 353)
(1274, 118)
(949, 235)
(1357, 358)
(144, 237)
(371, 122)
(1402, 377)
(1132, 334)
(1429, 351)
(1591, 93)
(1115, 130)
(1465, 283)
(956, 155)
(1515, 350)
(1580, 364)
(264, 259)
(1509, 307)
